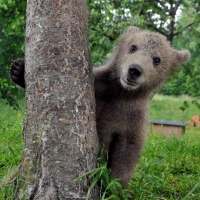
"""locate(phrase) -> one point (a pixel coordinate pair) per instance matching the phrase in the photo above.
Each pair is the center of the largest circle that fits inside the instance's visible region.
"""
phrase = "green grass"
(168, 108)
(169, 169)
(10, 144)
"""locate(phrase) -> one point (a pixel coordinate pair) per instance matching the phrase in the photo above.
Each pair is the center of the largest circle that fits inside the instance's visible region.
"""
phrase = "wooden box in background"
(168, 129)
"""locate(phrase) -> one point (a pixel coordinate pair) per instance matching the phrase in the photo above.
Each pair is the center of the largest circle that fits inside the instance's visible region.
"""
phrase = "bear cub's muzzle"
(134, 72)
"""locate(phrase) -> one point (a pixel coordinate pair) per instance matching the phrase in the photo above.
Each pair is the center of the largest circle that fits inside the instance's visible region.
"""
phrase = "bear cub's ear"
(182, 56)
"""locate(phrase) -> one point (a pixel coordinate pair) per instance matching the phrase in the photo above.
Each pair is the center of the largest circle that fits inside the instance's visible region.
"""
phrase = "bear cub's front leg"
(123, 154)
(17, 72)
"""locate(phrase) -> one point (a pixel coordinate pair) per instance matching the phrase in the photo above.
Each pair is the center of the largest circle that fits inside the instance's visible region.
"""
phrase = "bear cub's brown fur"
(123, 88)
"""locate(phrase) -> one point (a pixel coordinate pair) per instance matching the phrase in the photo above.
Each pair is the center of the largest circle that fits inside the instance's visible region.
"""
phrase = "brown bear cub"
(123, 88)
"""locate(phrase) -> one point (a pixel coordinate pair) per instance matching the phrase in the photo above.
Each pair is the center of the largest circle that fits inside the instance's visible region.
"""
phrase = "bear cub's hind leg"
(17, 72)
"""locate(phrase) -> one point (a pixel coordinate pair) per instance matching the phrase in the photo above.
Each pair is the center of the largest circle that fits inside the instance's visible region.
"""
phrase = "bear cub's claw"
(17, 72)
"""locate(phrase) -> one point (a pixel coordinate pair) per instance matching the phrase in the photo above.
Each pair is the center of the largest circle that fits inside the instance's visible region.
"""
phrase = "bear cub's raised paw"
(17, 72)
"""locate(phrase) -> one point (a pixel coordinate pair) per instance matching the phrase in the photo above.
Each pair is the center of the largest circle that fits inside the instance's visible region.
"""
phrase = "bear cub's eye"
(133, 48)
(156, 61)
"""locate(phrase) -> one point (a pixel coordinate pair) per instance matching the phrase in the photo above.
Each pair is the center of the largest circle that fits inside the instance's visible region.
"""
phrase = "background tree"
(109, 19)
(187, 80)
(60, 141)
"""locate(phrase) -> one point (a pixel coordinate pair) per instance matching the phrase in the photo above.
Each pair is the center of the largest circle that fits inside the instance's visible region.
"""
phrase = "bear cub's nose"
(134, 71)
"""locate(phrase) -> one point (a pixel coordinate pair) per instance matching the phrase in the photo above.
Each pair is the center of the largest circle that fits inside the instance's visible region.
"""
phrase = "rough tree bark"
(60, 140)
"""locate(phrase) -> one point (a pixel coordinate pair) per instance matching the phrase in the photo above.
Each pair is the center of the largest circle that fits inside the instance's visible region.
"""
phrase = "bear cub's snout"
(134, 72)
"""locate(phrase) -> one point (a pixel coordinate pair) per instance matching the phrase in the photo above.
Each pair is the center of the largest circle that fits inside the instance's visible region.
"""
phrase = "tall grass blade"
(188, 195)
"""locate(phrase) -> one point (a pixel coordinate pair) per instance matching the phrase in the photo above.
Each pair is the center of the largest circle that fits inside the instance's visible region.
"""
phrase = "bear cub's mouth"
(130, 81)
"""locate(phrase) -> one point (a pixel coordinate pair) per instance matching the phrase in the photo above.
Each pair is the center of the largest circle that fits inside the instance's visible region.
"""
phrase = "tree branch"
(156, 29)
(177, 5)
(111, 38)
(189, 25)
(162, 4)
(151, 24)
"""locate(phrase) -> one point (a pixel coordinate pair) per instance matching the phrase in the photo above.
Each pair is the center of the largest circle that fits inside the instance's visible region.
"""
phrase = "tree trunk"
(60, 140)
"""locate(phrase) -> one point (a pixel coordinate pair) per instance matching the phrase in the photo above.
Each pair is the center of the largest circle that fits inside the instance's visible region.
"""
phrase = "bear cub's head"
(146, 59)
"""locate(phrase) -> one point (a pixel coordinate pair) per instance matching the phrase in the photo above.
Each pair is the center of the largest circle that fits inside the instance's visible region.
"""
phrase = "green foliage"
(107, 20)
(187, 80)
(12, 23)
(10, 92)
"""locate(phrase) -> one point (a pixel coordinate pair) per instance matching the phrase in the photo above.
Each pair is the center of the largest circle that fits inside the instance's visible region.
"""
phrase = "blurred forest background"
(178, 20)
